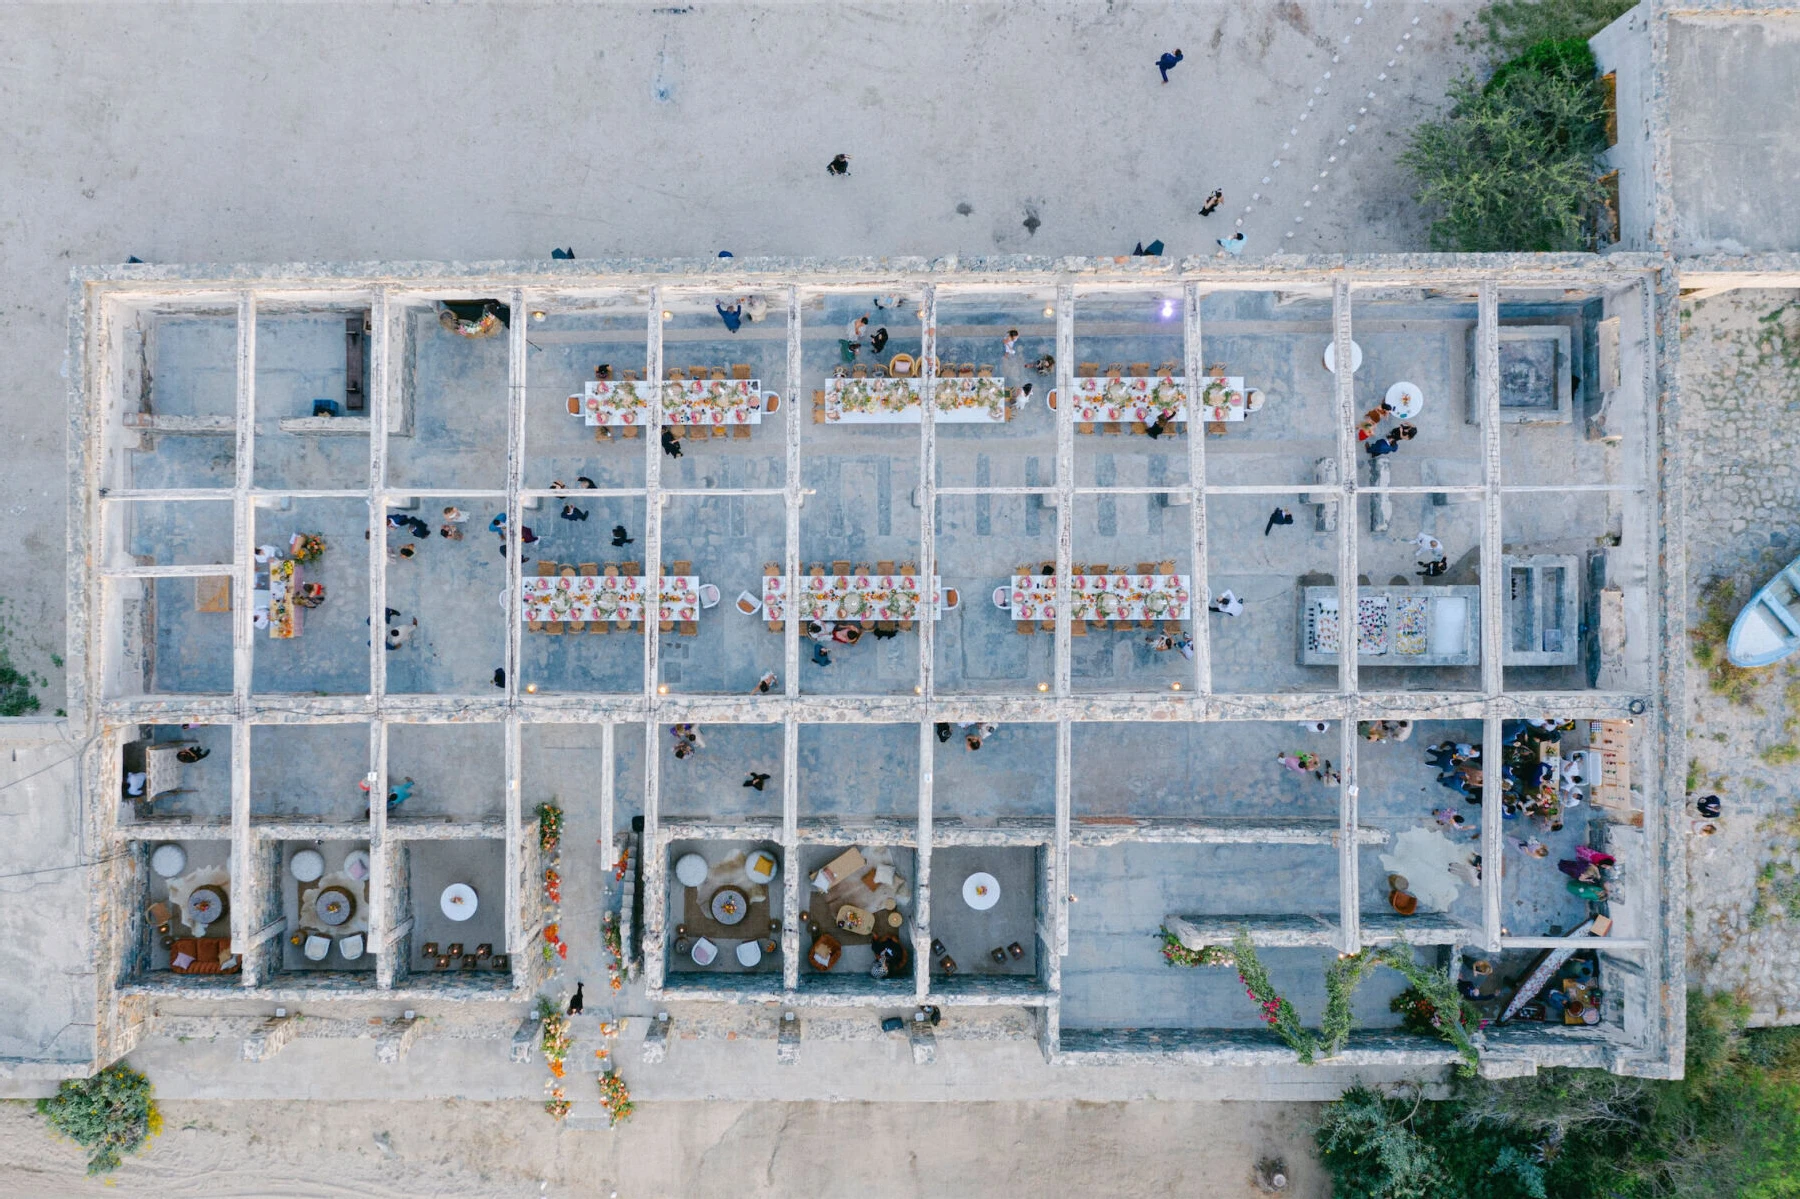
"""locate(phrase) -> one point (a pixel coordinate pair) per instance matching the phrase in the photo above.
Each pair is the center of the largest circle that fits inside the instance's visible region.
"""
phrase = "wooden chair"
(1088, 370)
(1166, 566)
(884, 568)
(862, 568)
(1078, 628)
(602, 433)
(677, 431)
(1050, 626)
(632, 570)
(534, 626)
(546, 569)
(1115, 370)
(909, 568)
(718, 373)
(676, 375)
(1140, 370)
(1172, 627)
(589, 569)
(567, 572)
(1025, 628)
(1084, 427)
(629, 430)
(966, 371)
(665, 626)
(631, 376)
(690, 628)
(574, 405)
(1169, 369)
(599, 626)
(740, 370)
(1112, 427)
(1216, 428)
(740, 432)
(578, 626)
(859, 371)
(1146, 568)
(1138, 426)
(771, 569)
(683, 567)
(815, 570)
(818, 407)
(900, 366)
(985, 372)
(554, 627)
(840, 567)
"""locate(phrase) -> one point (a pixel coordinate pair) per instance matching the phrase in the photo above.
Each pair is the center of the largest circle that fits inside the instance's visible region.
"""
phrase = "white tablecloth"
(685, 402)
(860, 599)
(589, 597)
(1119, 400)
(886, 401)
(1104, 597)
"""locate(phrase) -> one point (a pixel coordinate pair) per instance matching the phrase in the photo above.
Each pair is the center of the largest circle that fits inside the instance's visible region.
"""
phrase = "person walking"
(454, 515)
(671, 445)
(756, 780)
(1212, 202)
(1009, 346)
(732, 316)
(1233, 245)
(621, 536)
(878, 340)
(1430, 548)
(450, 533)
(1227, 604)
(587, 484)
(571, 513)
(189, 754)
(1281, 516)
(765, 684)
(1167, 62)
(839, 165)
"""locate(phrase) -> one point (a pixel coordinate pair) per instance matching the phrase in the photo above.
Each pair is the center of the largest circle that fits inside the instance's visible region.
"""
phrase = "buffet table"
(1394, 626)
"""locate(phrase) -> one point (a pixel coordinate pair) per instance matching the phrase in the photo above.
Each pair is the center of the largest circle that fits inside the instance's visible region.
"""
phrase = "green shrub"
(109, 1115)
(1512, 166)
(1567, 59)
(1513, 26)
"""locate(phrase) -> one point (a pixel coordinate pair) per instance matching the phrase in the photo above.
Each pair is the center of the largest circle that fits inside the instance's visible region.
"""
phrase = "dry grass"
(1718, 608)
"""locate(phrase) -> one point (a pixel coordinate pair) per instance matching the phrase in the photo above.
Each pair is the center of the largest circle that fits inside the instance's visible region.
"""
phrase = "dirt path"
(322, 1150)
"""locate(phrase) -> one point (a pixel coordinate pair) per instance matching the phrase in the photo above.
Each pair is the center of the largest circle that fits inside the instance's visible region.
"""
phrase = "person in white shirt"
(1430, 548)
(1227, 603)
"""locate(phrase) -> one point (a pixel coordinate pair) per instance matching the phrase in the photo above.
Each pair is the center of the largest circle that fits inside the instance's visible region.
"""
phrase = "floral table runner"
(685, 402)
(284, 613)
(1222, 398)
(860, 599)
(1104, 597)
(620, 599)
(896, 401)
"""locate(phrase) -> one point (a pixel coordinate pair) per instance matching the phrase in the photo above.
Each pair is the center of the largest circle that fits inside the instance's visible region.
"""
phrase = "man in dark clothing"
(526, 536)
(571, 513)
(500, 677)
(943, 730)
(670, 443)
(586, 482)
(756, 780)
(882, 634)
(1167, 61)
(1281, 516)
(576, 1001)
(620, 536)
(839, 165)
(877, 340)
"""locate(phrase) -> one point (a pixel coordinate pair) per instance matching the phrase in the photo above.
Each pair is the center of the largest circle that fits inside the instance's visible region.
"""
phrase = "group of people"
(1310, 763)
(1372, 420)
(827, 635)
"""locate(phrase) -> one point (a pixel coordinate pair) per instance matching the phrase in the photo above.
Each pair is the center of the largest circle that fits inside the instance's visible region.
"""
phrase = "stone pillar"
(787, 1039)
(268, 1040)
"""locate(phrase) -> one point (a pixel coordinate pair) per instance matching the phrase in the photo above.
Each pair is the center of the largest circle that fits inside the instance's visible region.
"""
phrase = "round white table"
(981, 890)
(1331, 357)
(690, 870)
(1405, 400)
(308, 864)
(168, 860)
(459, 901)
(204, 905)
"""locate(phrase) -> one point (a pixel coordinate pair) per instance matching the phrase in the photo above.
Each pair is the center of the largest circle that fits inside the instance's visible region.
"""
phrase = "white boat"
(1768, 629)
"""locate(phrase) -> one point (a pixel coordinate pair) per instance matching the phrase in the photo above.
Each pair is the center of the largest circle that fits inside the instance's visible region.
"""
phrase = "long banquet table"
(885, 401)
(1222, 398)
(685, 401)
(861, 599)
(1104, 597)
(603, 597)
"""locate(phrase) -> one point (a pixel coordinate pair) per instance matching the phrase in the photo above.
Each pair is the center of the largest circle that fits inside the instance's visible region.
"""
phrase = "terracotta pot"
(1403, 903)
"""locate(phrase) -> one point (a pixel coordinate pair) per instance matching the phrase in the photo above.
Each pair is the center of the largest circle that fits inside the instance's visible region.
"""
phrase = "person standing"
(1167, 62)
(1281, 516)
(765, 684)
(839, 165)
(1430, 548)
(756, 780)
(1212, 202)
(1009, 346)
(732, 316)
(878, 340)
(1228, 604)
(454, 515)
(571, 513)
(671, 445)
(621, 536)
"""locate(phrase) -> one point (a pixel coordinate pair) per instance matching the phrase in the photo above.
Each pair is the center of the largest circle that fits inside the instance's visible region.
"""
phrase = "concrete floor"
(293, 959)
(968, 935)
(437, 864)
(205, 791)
(308, 772)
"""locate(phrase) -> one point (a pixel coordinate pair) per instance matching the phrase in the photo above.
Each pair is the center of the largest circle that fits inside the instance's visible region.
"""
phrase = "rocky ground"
(1740, 379)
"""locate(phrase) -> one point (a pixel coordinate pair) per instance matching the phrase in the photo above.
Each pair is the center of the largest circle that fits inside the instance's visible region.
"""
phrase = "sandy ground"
(321, 1150)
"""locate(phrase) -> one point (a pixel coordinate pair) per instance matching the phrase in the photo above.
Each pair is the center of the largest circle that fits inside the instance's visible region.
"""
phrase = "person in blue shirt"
(1166, 61)
(732, 316)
